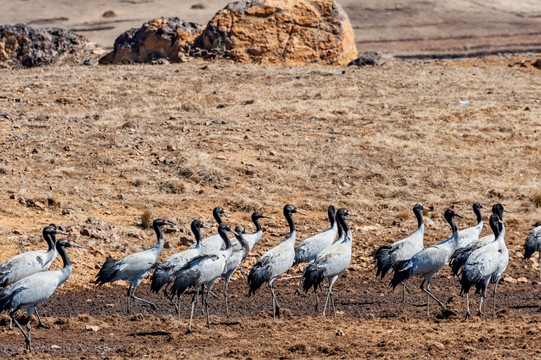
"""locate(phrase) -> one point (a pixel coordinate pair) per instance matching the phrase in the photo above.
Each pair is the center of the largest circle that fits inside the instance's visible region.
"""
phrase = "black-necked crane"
(485, 266)
(275, 261)
(309, 248)
(533, 244)
(163, 274)
(331, 262)
(460, 256)
(386, 257)
(471, 234)
(31, 262)
(202, 270)
(429, 261)
(134, 267)
(29, 292)
(233, 262)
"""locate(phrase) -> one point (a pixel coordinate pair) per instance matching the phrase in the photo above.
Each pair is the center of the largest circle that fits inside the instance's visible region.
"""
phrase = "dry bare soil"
(82, 143)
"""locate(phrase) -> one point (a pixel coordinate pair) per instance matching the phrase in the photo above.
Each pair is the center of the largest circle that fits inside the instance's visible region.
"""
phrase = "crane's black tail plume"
(107, 272)
(467, 280)
(402, 272)
(313, 276)
(384, 260)
(159, 278)
(257, 277)
(530, 246)
(458, 260)
(5, 299)
(183, 280)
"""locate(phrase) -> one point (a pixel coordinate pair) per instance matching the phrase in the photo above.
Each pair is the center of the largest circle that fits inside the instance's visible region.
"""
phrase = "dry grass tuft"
(201, 168)
(146, 219)
(537, 200)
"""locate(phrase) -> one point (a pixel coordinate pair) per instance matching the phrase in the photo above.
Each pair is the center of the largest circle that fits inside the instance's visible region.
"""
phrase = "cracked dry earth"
(92, 149)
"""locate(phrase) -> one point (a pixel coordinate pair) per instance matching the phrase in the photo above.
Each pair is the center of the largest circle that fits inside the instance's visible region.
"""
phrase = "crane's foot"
(297, 291)
(468, 315)
(42, 325)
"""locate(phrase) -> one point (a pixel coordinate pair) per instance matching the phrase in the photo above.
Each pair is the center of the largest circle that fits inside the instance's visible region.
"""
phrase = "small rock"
(55, 347)
(510, 280)
(92, 327)
(167, 245)
(340, 332)
(109, 14)
(89, 62)
(523, 280)
(198, 6)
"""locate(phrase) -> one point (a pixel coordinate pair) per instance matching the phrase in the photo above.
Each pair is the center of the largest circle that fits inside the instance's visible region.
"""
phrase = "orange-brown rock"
(289, 32)
(164, 38)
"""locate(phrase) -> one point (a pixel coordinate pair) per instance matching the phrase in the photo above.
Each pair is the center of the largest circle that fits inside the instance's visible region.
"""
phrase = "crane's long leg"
(539, 265)
(177, 305)
(40, 323)
(132, 295)
(194, 299)
(494, 299)
(427, 291)
(226, 286)
(128, 297)
(207, 303)
(468, 315)
(243, 274)
(26, 336)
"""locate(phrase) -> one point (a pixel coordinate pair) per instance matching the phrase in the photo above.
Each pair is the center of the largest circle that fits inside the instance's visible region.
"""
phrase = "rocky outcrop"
(289, 32)
(24, 46)
(164, 38)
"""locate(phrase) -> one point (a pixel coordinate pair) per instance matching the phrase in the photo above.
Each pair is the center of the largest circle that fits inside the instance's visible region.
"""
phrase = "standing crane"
(29, 292)
(275, 261)
(429, 261)
(213, 242)
(309, 248)
(252, 239)
(471, 234)
(202, 270)
(163, 274)
(30, 262)
(330, 262)
(386, 257)
(134, 267)
(460, 256)
(484, 265)
(533, 244)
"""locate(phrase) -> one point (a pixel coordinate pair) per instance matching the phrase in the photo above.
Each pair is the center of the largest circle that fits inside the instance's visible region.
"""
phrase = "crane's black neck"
(223, 235)
(50, 238)
(494, 225)
(64, 255)
(255, 220)
(451, 220)
(419, 215)
(217, 215)
(289, 217)
(498, 210)
(332, 215)
(342, 221)
(243, 243)
(197, 233)
(477, 211)
(159, 234)
(340, 231)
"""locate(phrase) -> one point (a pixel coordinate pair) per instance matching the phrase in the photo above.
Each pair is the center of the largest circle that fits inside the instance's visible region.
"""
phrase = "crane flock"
(26, 281)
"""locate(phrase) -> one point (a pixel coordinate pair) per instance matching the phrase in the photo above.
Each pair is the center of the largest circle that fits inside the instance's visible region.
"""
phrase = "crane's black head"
(342, 212)
(219, 210)
(498, 210)
(63, 242)
(197, 224)
(289, 209)
(51, 229)
(159, 222)
(239, 230)
(494, 222)
(331, 209)
(450, 214)
(259, 215)
(477, 206)
(223, 227)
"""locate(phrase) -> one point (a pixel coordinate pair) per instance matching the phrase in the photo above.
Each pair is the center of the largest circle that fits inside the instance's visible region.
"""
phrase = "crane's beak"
(430, 208)
(61, 232)
(205, 226)
(226, 213)
(235, 233)
(507, 211)
(267, 217)
(460, 216)
(299, 212)
(75, 245)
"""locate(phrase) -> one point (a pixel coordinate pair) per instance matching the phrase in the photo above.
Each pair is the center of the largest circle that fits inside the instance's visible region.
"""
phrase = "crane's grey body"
(275, 261)
(331, 262)
(429, 261)
(203, 270)
(31, 262)
(533, 244)
(486, 264)
(33, 290)
(134, 267)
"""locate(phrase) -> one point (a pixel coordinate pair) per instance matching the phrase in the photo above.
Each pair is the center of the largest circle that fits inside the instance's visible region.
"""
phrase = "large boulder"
(164, 38)
(289, 32)
(24, 46)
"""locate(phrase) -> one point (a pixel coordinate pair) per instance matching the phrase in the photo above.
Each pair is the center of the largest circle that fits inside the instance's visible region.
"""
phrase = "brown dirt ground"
(177, 140)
